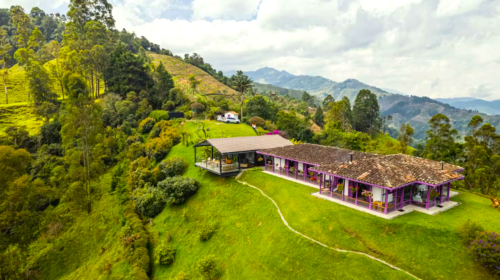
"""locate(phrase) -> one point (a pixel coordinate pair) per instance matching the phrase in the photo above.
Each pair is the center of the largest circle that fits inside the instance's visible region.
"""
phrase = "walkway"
(317, 242)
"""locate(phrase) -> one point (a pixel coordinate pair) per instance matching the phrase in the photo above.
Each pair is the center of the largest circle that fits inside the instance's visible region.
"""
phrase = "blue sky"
(437, 48)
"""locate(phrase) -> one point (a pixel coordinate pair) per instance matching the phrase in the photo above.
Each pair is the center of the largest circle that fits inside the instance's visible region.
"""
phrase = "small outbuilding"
(228, 156)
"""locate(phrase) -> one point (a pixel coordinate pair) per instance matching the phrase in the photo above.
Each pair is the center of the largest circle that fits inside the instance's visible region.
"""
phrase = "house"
(371, 182)
(231, 114)
(228, 156)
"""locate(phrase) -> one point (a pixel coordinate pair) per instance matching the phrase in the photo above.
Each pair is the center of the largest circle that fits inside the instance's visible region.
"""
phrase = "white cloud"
(225, 9)
(438, 48)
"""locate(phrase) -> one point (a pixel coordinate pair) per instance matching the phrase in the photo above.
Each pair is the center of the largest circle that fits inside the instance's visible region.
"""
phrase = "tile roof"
(384, 170)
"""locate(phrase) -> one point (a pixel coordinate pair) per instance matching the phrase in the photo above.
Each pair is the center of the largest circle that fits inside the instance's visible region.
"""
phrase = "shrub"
(146, 125)
(208, 267)
(485, 250)
(141, 258)
(150, 201)
(469, 231)
(134, 139)
(159, 115)
(257, 121)
(198, 107)
(158, 148)
(173, 166)
(177, 189)
(158, 128)
(165, 254)
(206, 231)
(136, 150)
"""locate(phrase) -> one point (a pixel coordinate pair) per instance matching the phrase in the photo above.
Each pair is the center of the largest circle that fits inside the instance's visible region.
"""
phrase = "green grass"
(388, 145)
(89, 243)
(427, 246)
(251, 241)
(19, 114)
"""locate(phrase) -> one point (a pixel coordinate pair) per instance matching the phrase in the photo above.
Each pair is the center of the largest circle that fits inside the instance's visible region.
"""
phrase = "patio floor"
(389, 216)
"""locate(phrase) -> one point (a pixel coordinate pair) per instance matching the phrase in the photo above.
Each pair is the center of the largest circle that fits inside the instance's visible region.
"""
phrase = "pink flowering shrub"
(485, 250)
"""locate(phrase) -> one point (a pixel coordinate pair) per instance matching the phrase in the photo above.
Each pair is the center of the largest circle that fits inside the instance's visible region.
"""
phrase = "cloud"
(438, 48)
(225, 9)
(481, 91)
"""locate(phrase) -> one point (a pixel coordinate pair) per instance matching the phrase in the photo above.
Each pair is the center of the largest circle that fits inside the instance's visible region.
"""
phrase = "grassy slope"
(251, 241)
(388, 145)
(82, 251)
(427, 246)
(181, 72)
(19, 114)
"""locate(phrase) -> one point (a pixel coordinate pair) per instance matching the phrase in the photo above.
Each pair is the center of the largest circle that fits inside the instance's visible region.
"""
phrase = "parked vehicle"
(232, 120)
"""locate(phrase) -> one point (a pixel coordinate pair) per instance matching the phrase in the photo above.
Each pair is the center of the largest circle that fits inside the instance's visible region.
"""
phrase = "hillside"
(315, 85)
(279, 90)
(18, 114)
(418, 110)
(482, 106)
(181, 72)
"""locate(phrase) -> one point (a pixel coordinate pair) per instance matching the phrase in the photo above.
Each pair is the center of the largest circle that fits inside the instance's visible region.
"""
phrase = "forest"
(104, 104)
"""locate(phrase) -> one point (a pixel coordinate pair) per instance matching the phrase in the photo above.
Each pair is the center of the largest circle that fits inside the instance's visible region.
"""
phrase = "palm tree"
(242, 83)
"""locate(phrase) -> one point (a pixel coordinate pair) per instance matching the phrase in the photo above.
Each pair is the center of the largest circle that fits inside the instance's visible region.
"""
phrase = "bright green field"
(427, 246)
(19, 114)
(251, 241)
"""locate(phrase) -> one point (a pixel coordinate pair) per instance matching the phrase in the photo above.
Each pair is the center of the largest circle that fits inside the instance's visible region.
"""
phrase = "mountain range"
(470, 103)
(414, 110)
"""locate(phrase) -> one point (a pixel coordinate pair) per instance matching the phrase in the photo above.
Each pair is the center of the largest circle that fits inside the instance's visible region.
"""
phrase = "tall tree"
(440, 140)
(56, 65)
(241, 83)
(5, 48)
(81, 134)
(319, 117)
(339, 116)
(126, 73)
(259, 106)
(328, 99)
(366, 112)
(405, 137)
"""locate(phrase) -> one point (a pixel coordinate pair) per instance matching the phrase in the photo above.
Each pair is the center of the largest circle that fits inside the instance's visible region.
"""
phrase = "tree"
(163, 86)
(46, 110)
(384, 120)
(5, 48)
(319, 117)
(193, 82)
(241, 83)
(405, 137)
(366, 112)
(126, 73)
(13, 164)
(326, 102)
(56, 66)
(259, 106)
(82, 132)
(440, 140)
(339, 116)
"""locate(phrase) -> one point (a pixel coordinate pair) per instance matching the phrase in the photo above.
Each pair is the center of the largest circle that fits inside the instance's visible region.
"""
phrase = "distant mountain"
(281, 91)
(314, 85)
(470, 103)
(390, 90)
(417, 111)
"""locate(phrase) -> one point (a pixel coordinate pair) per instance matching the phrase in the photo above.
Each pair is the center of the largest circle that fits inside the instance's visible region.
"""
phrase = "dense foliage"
(178, 189)
(485, 250)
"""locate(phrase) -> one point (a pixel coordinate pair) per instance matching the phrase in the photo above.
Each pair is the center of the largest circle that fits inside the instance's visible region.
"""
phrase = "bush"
(141, 258)
(134, 139)
(146, 125)
(485, 250)
(257, 121)
(173, 166)
(159, 115)
(206, 231)
(136, 150)
(469, 231)
(208, 267)
(165, 254)
(149, 202)
(178, 189)
(158, 148)
(159, 127)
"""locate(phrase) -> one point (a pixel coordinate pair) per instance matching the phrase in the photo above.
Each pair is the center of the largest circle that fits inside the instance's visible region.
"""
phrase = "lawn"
(427, 246)
(251, 241)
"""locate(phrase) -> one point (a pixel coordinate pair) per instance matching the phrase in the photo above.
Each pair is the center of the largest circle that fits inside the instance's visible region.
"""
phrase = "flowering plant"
(340, 187)
(313, 179)
(353, 188)
(367, 193)
(286, 166)
(434, 194)
(260, 159)
(292, 169)
(310, 173)
(277, 164)
(485, 250)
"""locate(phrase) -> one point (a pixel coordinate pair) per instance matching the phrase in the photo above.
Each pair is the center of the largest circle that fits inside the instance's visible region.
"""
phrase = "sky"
(435, 48)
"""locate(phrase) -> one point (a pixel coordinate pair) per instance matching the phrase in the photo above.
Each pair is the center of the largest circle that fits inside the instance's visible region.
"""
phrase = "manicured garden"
(427, 246)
